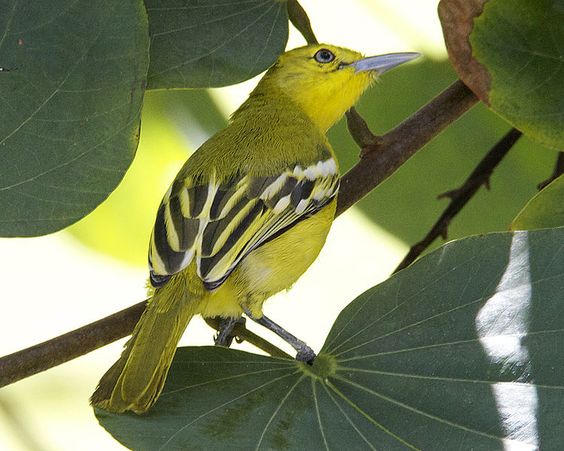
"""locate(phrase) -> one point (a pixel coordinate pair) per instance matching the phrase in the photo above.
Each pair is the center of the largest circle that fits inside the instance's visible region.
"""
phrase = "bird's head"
(325, 80)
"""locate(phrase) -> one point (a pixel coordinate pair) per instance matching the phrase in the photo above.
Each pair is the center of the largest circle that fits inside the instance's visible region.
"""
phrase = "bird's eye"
(324, 56)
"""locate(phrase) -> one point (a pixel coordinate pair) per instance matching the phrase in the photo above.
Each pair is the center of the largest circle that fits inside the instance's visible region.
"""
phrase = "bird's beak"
(383, 63)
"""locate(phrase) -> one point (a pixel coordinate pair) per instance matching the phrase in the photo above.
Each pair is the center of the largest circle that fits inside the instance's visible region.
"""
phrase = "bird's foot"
(304, 352)
(225, 335)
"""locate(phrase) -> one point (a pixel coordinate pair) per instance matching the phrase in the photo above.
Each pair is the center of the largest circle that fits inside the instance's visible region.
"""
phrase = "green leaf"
(520, 44)
(463, 350)
(213, 43)
(544, 210)
(70, 105)
(510, 53)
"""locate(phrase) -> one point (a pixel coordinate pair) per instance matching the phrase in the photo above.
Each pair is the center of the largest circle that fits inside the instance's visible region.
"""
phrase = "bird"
(246, 215)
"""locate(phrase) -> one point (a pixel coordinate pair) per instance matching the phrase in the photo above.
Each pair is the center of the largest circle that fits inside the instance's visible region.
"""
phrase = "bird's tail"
(136, 380)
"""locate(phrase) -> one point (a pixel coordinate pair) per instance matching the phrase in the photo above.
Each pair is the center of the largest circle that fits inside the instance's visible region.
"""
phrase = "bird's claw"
(225, 335)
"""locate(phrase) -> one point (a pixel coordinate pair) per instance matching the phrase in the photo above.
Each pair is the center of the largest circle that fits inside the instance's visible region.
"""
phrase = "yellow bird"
(246, 215)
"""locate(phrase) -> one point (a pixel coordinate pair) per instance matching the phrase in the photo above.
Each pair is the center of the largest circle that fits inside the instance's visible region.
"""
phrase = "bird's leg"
(304, 352)
(225, 335)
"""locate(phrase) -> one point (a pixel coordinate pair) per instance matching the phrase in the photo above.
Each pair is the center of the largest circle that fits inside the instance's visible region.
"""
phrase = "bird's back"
(263, 138)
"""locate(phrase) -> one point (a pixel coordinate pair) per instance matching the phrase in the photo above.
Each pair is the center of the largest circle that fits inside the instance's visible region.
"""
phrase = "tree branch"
(382, 156)
(83, 340)
(461, 196)
(66, 347)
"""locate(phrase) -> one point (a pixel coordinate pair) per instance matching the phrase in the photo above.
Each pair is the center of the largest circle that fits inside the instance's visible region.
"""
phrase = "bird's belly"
(273, 267)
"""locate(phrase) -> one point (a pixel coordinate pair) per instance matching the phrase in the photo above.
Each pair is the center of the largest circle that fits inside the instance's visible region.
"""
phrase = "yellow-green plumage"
(135, 381)
(244, 218)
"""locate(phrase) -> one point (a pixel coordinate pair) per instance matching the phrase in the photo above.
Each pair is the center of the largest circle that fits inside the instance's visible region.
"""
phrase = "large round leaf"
(544, 210)
(213, 42)
(70, 107)
(463, 350)
(510, 53)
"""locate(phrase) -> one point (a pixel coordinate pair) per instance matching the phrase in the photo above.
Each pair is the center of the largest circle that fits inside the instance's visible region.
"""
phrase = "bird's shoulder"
(258, 148)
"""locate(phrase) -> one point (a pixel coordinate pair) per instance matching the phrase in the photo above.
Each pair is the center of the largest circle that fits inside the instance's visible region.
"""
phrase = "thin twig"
(460, 196)
(378, 163)
(300, 20)
(558, 171)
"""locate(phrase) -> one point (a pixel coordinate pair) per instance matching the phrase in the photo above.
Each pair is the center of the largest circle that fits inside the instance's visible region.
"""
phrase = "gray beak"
(383, 63)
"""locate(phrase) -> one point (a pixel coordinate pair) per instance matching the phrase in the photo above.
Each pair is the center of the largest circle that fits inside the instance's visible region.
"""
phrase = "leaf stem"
(241, 333)
(300, 20)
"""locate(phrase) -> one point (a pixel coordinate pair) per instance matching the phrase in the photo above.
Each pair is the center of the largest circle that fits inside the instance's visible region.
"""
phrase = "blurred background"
(59, 282)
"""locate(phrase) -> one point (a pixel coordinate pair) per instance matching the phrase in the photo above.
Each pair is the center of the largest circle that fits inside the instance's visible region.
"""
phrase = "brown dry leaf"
(457, 20)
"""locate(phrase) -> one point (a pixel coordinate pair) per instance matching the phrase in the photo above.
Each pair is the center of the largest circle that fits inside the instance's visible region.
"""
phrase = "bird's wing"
(219, 223)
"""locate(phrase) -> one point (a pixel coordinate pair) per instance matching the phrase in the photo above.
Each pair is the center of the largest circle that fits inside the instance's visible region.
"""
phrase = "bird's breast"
(273, 267)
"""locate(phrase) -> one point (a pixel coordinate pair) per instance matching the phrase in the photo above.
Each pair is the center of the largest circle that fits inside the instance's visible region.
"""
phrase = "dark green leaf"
(70, 107)
(213, 43)
(463, 350)
(544, 210)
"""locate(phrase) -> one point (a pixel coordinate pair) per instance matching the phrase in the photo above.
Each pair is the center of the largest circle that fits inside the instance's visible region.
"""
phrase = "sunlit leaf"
(510, 53)
(544, 210)
(213, 42)
(463, 350)
(70, 107)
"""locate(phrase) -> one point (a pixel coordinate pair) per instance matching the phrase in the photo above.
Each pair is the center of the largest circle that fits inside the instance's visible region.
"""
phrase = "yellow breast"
(271, 268)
